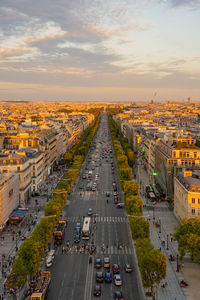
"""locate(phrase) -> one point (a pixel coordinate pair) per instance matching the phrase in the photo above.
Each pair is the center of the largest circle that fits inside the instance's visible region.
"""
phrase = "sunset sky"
(99, 49)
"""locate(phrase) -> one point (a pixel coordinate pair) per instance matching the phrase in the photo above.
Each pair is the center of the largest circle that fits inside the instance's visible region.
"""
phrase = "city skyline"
(99, 50)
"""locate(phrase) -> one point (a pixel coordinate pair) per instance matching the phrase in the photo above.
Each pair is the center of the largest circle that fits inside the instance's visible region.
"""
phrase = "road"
(72, 276)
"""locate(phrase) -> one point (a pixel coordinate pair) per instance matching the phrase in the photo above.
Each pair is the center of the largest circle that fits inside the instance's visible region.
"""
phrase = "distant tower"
(188, 100)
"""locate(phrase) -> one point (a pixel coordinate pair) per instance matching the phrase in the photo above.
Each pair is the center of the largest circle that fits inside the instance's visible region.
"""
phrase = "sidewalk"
(191, 271)
(36, 211)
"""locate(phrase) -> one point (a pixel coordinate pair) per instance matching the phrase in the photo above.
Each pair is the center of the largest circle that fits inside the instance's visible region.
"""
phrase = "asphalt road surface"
(73, 277)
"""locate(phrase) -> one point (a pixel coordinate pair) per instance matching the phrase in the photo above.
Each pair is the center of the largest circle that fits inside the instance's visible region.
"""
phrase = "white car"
(117, 279)
(50, 258)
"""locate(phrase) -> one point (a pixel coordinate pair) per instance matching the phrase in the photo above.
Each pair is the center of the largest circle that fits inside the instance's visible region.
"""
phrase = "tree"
(125, 174)
(152, 264)
(139, 228)
(18, 275)
(131, 187)
(134, 205)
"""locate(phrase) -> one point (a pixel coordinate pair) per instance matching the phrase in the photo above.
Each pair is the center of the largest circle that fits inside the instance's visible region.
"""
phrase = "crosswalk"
(101, 219)
(111, 250)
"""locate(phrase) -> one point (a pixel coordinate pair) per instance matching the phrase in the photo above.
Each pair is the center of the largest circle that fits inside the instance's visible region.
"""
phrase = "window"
(199, 201)
(18, 168)
(193, 211)
(193, 200)
(195, 154)
(10, 193)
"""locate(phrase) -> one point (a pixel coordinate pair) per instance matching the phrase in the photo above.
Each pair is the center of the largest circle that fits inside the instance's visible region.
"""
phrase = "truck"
(59, 232)
(40, 291)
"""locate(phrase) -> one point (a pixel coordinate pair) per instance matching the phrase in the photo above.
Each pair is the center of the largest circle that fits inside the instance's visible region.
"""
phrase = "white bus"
(86, 228)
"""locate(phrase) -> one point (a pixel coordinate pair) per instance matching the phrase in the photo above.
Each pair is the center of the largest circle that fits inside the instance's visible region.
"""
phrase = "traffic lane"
(68, 277)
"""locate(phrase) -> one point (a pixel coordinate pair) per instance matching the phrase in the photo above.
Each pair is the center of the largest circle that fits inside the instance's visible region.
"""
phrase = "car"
(77, 238)
(81, 186)
(128, 268)
(49, 261)
(106, 262)
(90, 211)
(115, 200)
(77, 231)
(94, 188)
(94, 184)
(118, 295)
(99, 276)
(117, 279)
(120, 205)
(116, 269)
(78, 225)
(98, 263)
(108, 277)
(84, 176)
(97, 290)
(107, 194)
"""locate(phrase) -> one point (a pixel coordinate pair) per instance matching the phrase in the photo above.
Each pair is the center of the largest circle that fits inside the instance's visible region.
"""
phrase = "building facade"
(187, 194)
(9, 196)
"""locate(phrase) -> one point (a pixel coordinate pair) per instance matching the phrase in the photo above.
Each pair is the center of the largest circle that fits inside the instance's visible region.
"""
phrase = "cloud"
(185, 3)
(12, 52)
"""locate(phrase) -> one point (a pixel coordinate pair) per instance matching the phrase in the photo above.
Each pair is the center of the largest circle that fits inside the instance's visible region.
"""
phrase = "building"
(9, 196)
(36, 161)
(18, 163)
(187, 194)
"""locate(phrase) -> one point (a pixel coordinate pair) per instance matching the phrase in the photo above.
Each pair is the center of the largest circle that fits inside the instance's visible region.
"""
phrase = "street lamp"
(167, 241)
(153, 212)
(160, 226)
(177, 265)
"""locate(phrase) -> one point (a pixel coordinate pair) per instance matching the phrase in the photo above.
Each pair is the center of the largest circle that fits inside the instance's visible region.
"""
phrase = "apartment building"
(9, 196)
(36, 161)
(187, 194)
(12, 162)
(47, 145)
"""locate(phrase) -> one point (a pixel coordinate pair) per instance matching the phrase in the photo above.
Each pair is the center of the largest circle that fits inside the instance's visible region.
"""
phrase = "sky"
(99, 50)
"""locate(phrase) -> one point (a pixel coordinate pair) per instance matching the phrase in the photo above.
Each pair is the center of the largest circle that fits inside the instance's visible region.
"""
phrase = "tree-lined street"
(72, 275)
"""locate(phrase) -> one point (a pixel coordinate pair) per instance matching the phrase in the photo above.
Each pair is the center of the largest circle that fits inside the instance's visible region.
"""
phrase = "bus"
(86, 228)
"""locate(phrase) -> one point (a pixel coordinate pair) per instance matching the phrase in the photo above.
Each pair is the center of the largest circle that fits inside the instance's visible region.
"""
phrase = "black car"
(98, 263)
(97, 290)
(128, 268)
(116, 269)
(99, 276)
(118, 295)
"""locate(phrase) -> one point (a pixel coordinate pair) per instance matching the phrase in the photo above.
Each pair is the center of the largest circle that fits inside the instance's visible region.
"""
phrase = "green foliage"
(125, 174)
(18, 275)
(152, 264)
(134, 205)
(188, 236)
(139, 228)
